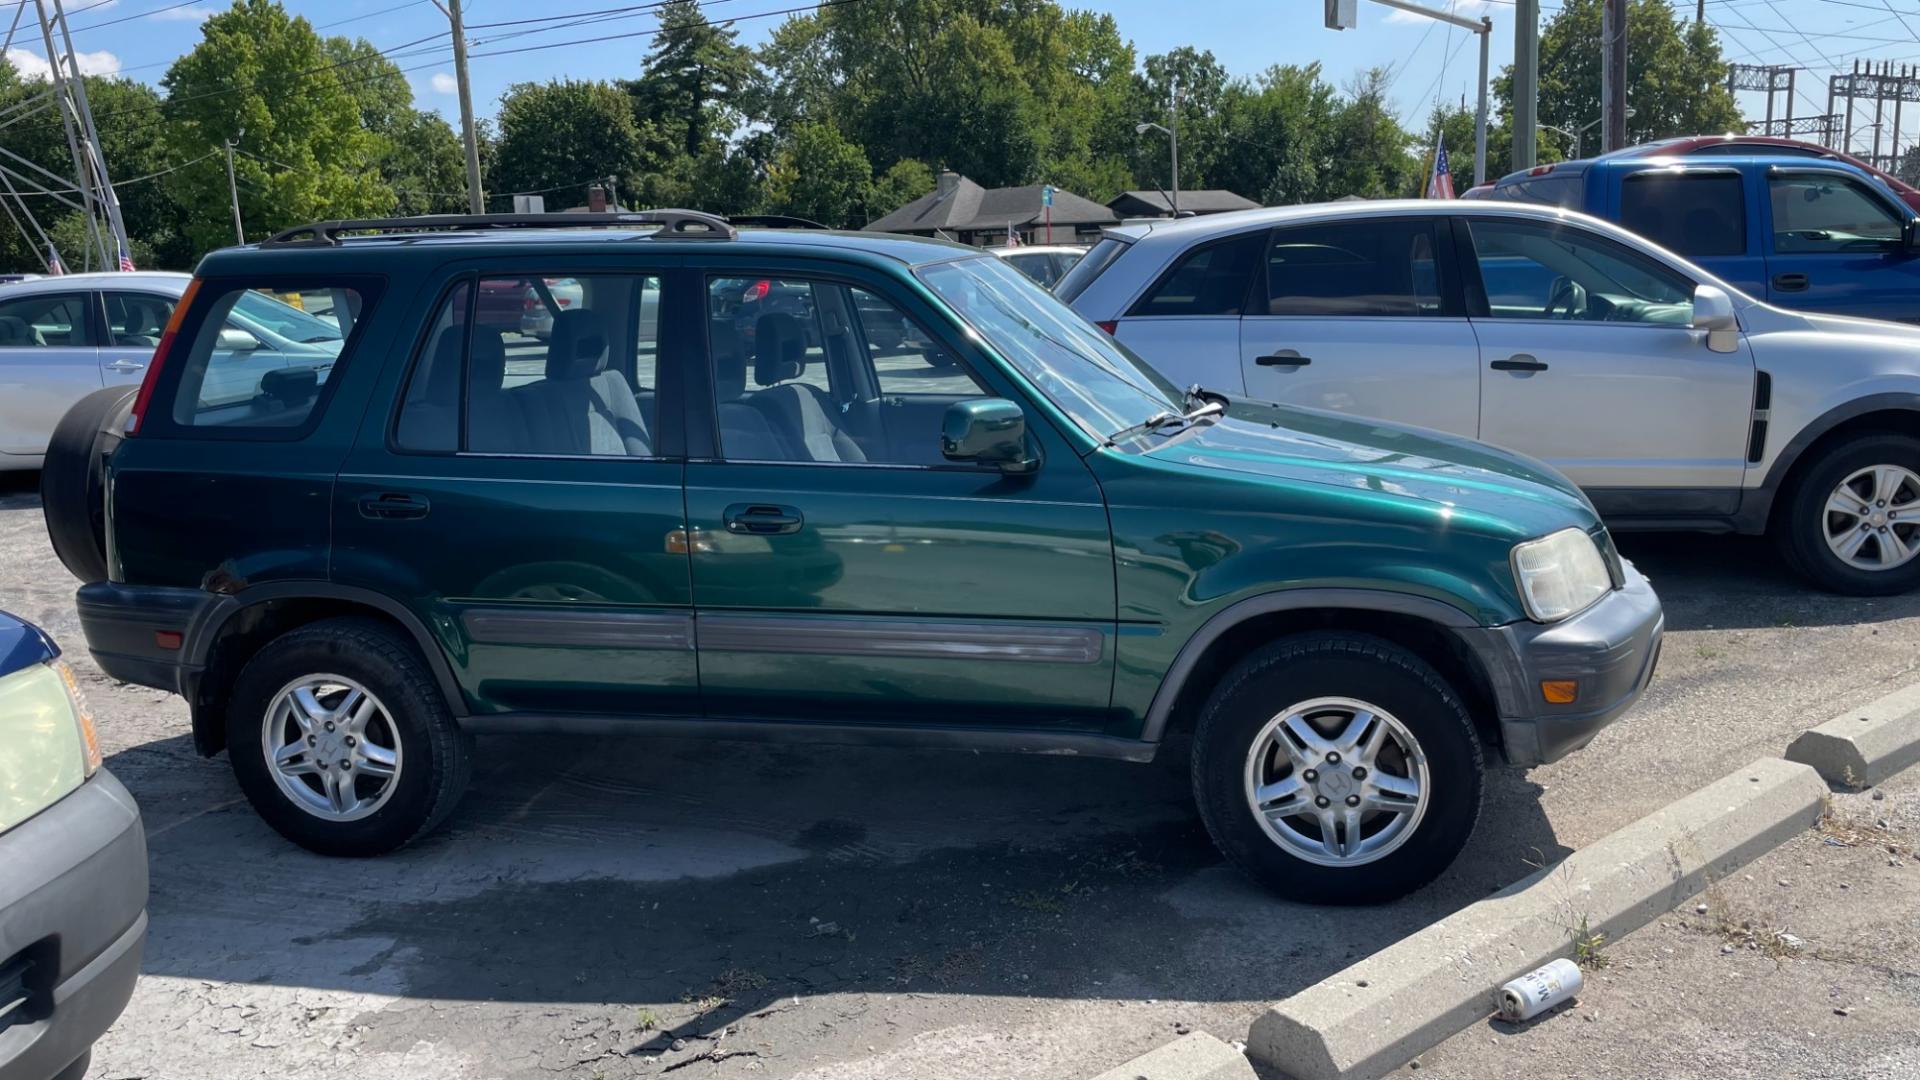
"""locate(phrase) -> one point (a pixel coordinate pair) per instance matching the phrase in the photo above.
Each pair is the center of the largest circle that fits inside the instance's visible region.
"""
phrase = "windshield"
(1090, 376)
(286, 321)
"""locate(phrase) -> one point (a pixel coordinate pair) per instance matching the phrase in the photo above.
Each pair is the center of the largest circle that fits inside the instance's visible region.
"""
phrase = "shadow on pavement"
(1718, 582)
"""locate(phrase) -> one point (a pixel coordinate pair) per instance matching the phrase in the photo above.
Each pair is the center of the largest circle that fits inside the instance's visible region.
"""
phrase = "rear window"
(1694, 214)
(262, 361)
(1092, 266)
(1563, 190)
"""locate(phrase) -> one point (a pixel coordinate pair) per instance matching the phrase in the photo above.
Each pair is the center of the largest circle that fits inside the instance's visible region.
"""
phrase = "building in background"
(1139, 204)
(959, 209)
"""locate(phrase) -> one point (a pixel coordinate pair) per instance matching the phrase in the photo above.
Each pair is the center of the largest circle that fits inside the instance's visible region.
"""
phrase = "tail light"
(756, 291)
(1108, 325)
(160, 354)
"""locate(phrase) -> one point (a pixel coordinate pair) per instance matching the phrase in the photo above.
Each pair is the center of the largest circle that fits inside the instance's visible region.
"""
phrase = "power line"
(139, 15)
(822, 5)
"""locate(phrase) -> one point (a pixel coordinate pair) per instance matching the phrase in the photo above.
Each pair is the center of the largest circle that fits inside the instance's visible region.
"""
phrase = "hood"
(1766, 318)
(1502, 491)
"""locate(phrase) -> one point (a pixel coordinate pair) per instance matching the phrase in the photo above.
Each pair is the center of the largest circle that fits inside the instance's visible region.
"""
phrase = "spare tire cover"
(73, 480)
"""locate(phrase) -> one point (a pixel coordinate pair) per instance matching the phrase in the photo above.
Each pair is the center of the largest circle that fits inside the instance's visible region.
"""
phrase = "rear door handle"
(1518, 362)
(126, 366)
(393, 506)
(1790, 282)
(1283, 358)
(763, 519)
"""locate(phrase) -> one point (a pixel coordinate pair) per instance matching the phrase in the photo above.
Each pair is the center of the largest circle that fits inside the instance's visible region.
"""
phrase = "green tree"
(1203, 85)
(1279, 132)
(693, 84)
(566, 133)
(419, 155)
(820, 175)
(1458, 121)
(904, 181)
(1373, 157)
(306, 154)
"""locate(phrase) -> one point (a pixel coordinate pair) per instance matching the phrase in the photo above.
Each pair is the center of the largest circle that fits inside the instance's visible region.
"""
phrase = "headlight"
(47, 743)
(1560, 575)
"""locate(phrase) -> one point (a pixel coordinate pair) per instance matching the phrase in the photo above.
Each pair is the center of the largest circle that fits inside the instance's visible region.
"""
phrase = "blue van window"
(1691, 214)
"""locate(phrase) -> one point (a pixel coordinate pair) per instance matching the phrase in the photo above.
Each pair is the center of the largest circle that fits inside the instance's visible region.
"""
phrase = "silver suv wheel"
(331, 747)
(1337, 781)
(1872, 519)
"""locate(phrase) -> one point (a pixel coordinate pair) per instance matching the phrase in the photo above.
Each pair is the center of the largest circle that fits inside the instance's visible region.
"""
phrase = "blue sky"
(1431, 61)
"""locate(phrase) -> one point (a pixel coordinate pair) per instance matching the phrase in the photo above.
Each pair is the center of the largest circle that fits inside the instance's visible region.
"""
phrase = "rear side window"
(1212, 279)
(45, 320)
(1367, 268)
(1694, 214)
(1075, 281)
(260, 364)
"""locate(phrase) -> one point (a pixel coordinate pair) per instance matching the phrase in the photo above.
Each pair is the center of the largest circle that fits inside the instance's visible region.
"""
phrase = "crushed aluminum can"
(1539, 990)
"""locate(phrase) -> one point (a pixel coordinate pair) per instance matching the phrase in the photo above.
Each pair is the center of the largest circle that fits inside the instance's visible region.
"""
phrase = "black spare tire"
(73, 481)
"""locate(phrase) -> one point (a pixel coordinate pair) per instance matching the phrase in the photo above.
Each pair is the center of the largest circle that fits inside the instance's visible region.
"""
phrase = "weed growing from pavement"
(644, 1020)
(1589, 947)
(1747, 931)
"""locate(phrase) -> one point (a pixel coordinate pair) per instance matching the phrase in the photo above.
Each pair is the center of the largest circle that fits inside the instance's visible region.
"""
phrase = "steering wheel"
(1566, 295)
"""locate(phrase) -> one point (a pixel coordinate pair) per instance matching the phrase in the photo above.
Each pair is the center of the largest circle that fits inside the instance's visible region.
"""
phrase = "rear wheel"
(340, 738)
(1852, 523)
(73, 480)
(1337, 768)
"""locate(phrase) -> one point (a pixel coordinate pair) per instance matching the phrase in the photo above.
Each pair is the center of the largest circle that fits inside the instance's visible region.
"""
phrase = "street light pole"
(1484, 27)
(1173, 136)
(233, 192)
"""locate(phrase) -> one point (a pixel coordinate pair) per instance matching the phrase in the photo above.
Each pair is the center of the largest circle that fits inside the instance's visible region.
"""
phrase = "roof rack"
(674, 224)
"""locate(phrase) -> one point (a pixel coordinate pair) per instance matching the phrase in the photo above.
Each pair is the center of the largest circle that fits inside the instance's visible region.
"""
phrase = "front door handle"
(763, 519)
(1790, 282)
(1283, 358)
(393, 506)
(126, 366)
(1518, 362)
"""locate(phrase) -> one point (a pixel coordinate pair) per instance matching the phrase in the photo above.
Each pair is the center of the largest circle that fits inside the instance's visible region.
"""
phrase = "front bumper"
(73, 905)
(1610, 650)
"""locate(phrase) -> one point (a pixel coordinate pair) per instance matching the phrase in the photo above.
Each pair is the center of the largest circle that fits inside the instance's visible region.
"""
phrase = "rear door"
(1701, 214)
(135, 321)
(1187, 323)
(522, 494)
(1835, 246)
(1364, 317)
(49, 359)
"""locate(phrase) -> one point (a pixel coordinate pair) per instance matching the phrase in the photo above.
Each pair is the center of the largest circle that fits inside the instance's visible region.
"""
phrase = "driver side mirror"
(234, 339)
(1713, 312)
(987, 431)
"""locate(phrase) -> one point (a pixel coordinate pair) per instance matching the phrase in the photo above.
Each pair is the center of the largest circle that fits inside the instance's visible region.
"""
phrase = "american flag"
(55, 267)
(126, 260)
(1441, 186)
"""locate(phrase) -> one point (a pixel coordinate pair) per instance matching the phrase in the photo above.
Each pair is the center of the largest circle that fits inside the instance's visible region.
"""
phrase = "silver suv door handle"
(126, 365)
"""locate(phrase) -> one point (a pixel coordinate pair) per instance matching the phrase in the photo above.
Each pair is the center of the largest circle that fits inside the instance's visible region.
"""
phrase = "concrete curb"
(1864, 746)
(1198, 1056)
(1371, 1018)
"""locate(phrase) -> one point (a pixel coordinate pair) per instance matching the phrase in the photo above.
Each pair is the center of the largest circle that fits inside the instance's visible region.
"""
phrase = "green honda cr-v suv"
(811, 486)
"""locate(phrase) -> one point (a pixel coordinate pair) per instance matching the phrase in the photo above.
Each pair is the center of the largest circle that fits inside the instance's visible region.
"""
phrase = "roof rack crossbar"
(674, 224)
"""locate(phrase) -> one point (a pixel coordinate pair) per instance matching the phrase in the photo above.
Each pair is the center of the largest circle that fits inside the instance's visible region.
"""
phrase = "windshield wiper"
(1200, 403)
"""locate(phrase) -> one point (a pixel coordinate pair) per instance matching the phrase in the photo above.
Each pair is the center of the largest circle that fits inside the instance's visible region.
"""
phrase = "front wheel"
(1852, 524)
(1337, 768)
(340, 738)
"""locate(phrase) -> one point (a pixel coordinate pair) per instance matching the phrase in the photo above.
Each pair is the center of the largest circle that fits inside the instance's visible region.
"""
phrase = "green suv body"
(823, 487)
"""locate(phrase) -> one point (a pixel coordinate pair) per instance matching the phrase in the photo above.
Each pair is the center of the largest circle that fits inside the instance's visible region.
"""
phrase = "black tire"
(1800, 531)
(1305, 667)
(73, 481)
(437, 753)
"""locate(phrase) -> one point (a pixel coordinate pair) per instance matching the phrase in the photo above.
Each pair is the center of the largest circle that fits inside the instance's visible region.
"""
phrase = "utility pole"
(1173, 136)
(90, 137)
(1613, 76)
(1526, 82)
(233, 191)
(1700, 12)
(476, 202)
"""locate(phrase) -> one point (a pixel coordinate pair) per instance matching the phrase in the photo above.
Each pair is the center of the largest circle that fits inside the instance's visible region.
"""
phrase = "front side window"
(1354, 268)
(1101, 385)
(537, 365)
(256, 362)
(1541, 270)
(136, 320)
(1824, 213)
(1212, 279)
(45, 320)
(1693, 214)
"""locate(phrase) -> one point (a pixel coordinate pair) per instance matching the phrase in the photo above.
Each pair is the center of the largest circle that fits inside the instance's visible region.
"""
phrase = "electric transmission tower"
(88, 190)
(1879, 83)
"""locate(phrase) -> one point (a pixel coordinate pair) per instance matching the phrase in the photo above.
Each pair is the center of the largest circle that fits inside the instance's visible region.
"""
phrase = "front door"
(1836, 248)
(523, 494)
(1363, 317)
(843, 570)
(1592, 365)
(49, 359)
(135, 321)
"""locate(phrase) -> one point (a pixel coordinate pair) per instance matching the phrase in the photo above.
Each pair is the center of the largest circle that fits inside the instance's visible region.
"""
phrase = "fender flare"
(206, 629)
(1438, 612)
(1756, 506)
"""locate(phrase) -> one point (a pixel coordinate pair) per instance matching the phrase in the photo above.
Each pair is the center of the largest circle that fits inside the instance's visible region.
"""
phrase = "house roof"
(1204, 201)
(968, 207)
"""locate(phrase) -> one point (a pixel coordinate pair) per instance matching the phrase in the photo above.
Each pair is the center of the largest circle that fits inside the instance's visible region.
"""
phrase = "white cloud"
(1469, 9)
(32, 65)
(192, 13)
(444, 83)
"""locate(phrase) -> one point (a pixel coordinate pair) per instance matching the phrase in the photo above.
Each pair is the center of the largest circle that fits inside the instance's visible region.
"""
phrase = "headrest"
(578, 347)
(779, 349)
(15, 330)
(488, 359)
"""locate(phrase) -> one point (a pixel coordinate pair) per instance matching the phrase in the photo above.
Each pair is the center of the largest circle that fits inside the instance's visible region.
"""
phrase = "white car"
(61, 338)
(1672, 398)
(1044, 263)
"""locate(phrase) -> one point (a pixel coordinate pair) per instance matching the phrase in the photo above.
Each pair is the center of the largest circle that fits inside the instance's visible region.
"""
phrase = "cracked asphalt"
(617, 908)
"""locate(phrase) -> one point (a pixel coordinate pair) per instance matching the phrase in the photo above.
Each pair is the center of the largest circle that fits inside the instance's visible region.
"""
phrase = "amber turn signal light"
(1560, 691)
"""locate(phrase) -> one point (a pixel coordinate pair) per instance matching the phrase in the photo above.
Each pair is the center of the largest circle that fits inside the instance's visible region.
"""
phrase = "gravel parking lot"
(629, 908)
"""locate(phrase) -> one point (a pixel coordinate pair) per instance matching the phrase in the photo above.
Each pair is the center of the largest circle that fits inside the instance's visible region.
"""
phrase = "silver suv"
(1675, 400)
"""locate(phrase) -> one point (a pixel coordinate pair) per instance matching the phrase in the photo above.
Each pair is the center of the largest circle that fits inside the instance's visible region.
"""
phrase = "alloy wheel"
(1872, 519)
(1337, 781)
(331, 747)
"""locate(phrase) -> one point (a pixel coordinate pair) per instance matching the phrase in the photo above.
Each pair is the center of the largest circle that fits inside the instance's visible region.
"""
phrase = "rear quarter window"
(260, 361)
(1075, 281)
